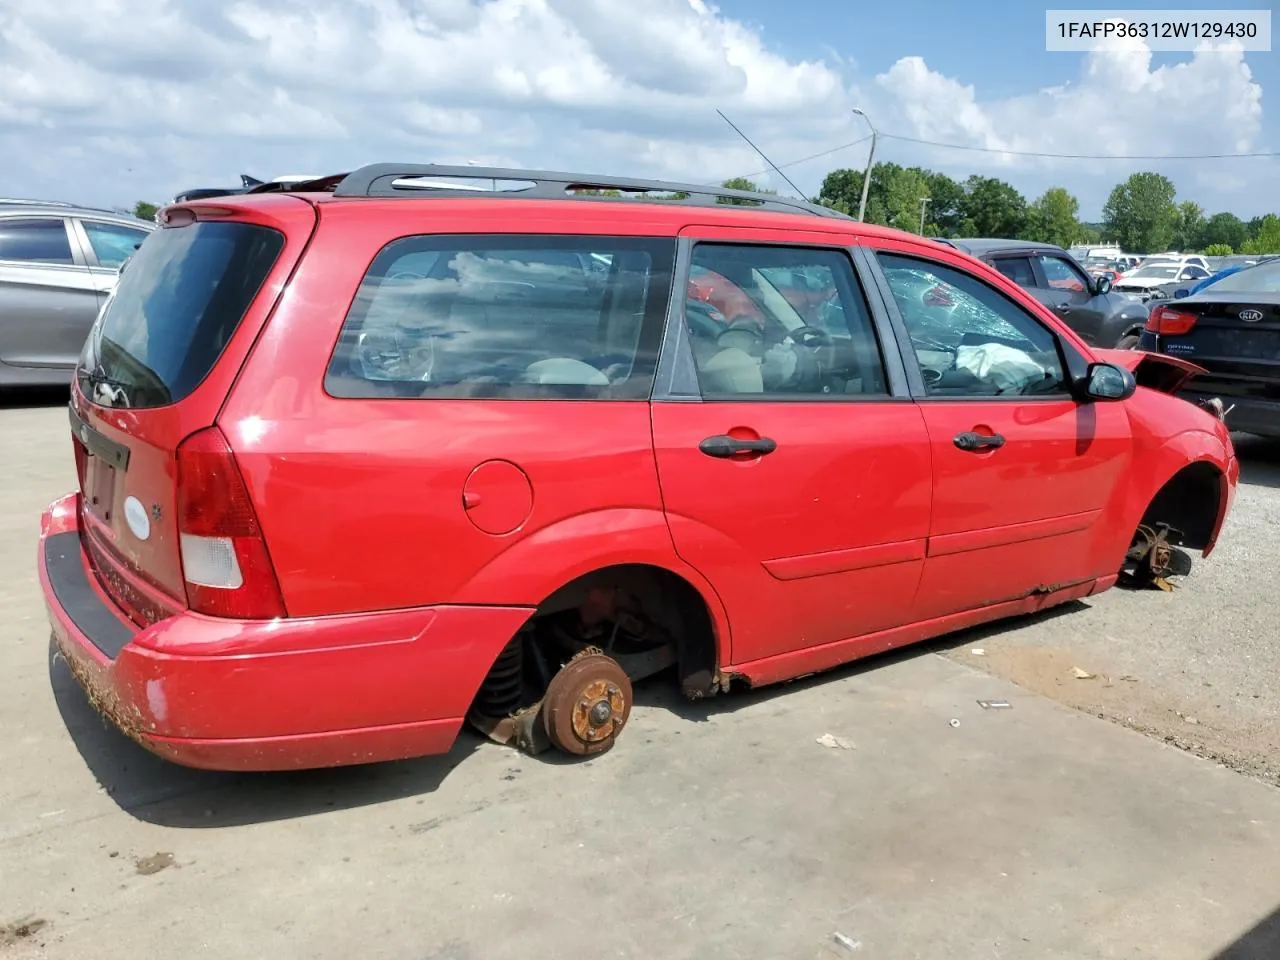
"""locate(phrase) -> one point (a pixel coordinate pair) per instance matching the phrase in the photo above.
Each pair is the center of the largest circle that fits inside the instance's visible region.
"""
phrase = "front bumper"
(268, 695)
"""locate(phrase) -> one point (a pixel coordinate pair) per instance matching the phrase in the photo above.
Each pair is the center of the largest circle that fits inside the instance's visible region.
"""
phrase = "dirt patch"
(146, 866)
(1080, 681)
(11, 934)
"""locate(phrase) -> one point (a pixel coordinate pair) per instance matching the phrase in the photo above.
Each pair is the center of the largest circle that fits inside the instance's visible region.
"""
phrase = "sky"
(137, 99)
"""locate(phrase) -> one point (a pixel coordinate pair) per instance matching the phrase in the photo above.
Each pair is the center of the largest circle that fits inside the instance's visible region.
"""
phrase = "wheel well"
(1189, 504)
(667, 598)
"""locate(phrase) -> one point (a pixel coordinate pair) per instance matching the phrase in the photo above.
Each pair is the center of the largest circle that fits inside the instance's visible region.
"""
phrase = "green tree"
(1225, 228)
(1052, 218)
(904, 190)
(1254, 227)
(893, 198)
(144, 210)
(1090, 233)
(945, 200)
(1141, 214)
(1218, 250)
(1191, 223)
(742, 183)
(1268, 237)
(993, 208)
(841, 190)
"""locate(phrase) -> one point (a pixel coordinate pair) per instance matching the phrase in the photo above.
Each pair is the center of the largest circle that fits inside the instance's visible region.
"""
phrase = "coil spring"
(499, 695)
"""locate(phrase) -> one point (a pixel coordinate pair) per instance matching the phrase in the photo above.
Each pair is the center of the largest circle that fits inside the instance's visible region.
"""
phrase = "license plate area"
(99, 487)
(103, 458)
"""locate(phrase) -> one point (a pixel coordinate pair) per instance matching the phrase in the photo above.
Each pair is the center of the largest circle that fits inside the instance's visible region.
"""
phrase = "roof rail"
(381, 180)
(23, 201)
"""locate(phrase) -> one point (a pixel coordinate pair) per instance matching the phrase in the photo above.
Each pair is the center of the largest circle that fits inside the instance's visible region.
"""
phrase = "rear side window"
(173, 311)
(1017, 269)
(506, 317)
(112, 243)
(35, 240)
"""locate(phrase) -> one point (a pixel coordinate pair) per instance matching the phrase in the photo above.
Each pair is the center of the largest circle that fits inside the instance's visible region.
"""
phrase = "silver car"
(58, 263)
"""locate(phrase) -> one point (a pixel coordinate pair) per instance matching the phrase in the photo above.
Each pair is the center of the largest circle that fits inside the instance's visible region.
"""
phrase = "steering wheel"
(817, 357)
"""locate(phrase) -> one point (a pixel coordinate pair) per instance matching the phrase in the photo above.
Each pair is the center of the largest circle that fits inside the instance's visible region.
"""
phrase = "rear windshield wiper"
(120, 388)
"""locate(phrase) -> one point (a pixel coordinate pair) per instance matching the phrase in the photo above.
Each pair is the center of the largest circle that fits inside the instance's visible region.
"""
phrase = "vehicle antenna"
(798, 191)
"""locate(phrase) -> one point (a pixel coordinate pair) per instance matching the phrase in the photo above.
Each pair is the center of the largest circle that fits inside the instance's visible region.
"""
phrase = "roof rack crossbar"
(379, 180)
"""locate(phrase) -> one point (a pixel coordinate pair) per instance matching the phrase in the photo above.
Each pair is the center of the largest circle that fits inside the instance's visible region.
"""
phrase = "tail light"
(225, 563)
(1170, 322)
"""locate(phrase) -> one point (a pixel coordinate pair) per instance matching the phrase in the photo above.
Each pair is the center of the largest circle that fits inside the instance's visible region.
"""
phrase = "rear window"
(506, 317)
(175, 307)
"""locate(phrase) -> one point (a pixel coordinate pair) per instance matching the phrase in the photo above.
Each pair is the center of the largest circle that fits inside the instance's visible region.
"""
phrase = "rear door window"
(35, 240)
(112, 243)
(174, 310)
(1017, 269)
(506, 317)
(780, 321)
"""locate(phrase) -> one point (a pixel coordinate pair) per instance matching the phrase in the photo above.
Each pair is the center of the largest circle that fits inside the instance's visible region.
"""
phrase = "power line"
(815, 156)
(1086, 156)
(1024, 153)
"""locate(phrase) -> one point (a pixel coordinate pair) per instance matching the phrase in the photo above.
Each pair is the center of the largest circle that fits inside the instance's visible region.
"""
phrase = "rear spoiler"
(1157, 371)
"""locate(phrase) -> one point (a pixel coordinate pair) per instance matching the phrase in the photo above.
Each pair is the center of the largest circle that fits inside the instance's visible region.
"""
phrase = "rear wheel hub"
(587, 704)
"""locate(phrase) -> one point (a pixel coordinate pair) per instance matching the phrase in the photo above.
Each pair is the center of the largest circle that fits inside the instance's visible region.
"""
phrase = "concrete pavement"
(717, 830)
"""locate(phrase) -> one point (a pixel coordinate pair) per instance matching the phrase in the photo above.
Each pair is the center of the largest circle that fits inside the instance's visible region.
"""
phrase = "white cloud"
(1208, 103)
(165, 94)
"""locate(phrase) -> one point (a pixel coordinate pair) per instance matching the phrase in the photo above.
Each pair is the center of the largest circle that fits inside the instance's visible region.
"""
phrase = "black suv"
(1088, 305)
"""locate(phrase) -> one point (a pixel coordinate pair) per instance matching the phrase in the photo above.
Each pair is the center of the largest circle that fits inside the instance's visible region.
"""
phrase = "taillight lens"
(1170, 322)
(225, 563)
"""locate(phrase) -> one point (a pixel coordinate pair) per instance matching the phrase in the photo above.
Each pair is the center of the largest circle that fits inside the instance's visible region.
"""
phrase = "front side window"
(113, 243)
(532, 317)
(969, 339)
(34, 240)
(780, 322)
(1060, 275)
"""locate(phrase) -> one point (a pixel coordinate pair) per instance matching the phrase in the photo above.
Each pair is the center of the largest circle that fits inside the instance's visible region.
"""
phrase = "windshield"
(1156, 272)
(1264, 278)
(174, 308)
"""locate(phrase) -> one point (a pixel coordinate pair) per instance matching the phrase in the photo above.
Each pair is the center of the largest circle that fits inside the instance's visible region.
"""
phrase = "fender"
(1156, 466)
(540, 564)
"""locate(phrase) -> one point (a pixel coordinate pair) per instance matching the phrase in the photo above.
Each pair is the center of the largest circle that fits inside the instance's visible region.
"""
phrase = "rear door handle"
(724, 446)
(973, 442)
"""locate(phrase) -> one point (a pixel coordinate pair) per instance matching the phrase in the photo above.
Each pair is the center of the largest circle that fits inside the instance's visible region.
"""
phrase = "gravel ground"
(1196, 667)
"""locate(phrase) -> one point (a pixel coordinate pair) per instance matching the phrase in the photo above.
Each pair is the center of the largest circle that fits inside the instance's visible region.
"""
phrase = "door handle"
(724, 446)
(973, 442)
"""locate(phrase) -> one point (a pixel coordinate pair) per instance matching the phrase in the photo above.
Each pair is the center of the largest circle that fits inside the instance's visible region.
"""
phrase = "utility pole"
(871, 159)
(924, 202)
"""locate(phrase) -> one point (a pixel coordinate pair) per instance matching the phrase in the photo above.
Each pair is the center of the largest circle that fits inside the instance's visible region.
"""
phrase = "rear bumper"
(269, 695)
(1249, 415)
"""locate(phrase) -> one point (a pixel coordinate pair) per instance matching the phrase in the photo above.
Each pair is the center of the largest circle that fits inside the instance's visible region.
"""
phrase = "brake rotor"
(587, 704)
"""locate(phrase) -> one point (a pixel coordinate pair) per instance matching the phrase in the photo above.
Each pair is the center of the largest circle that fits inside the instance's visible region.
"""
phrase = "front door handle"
(725, 446)
(974, 442)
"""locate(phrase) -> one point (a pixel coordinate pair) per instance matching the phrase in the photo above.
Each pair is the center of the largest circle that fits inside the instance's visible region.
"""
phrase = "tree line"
(1142, 214)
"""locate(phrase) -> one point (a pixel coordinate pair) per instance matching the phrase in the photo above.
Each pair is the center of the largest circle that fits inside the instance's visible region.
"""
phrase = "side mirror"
(1106, 381)
(1102, 286)
(1179, 294)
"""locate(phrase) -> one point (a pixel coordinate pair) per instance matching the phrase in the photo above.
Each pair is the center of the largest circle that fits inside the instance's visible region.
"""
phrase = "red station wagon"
(366, 458)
